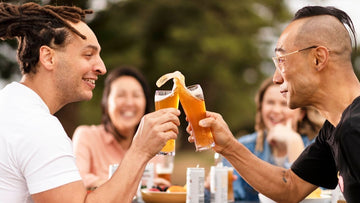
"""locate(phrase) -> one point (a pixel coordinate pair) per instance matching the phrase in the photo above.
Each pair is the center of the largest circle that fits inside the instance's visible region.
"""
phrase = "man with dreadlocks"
(59, 57)
(313, 68)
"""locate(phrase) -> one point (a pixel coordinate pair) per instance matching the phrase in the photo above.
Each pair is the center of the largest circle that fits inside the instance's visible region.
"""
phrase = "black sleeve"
(316, 164)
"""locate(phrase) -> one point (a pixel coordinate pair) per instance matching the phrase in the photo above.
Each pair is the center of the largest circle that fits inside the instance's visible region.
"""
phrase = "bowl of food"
(317, 196)
(322, 199)
(173, 194)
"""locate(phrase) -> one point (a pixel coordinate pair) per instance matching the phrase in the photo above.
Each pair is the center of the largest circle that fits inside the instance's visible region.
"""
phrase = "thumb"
(140, 127)
(206, 122)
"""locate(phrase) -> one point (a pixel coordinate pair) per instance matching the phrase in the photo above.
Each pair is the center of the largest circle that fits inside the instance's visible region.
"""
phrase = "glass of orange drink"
(192, 101)
(167, 99)
(230, 184)
(165, 167)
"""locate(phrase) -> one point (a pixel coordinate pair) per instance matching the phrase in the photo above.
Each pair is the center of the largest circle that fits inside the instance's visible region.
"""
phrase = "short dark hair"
(34, 26)
(344, 18)
(113, 75)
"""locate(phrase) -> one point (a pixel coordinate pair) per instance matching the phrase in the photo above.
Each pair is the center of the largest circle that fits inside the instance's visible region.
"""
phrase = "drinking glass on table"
(192, 101)
(167, 99)
(230, 184)
(165, 168)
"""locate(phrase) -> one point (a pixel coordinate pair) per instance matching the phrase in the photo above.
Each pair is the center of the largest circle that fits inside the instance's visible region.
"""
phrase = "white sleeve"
(46, 158)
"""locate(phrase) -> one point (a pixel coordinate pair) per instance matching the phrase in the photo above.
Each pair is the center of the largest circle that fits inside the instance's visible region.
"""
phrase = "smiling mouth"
(275, 120)
(128, 114)
(92, 81)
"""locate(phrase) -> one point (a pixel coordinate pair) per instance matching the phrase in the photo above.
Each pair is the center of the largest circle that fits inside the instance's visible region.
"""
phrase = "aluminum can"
(218, 184)
(147, 179)
(195, 185)
(112, 169)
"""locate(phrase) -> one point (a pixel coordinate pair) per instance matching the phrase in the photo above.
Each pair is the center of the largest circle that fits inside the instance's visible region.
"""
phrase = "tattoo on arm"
(284, 178)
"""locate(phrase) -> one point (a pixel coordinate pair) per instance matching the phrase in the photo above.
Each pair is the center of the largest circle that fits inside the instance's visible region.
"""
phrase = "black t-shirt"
(334, 157)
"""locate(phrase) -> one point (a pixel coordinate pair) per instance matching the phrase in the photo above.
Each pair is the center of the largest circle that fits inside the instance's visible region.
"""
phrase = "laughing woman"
(126, 98)
(280, 134)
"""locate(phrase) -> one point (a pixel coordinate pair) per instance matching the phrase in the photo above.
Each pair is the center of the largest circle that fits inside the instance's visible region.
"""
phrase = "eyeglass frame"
(276, 58)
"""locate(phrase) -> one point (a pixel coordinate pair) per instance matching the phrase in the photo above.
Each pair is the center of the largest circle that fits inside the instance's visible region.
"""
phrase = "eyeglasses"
(279, 60)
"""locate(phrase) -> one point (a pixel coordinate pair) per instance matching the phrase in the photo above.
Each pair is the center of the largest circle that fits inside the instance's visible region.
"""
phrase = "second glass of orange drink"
(192, 101)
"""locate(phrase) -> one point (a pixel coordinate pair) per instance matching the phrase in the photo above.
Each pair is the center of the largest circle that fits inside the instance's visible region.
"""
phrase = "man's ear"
(46, 57)
(321, 57)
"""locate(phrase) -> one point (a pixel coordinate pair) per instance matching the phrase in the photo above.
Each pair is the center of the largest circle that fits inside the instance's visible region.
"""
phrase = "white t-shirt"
(35, 153)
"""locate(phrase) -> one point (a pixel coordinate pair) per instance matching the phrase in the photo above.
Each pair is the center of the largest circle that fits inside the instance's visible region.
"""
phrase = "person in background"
(59, 57)
(126, 99)
(312, 70)
(281, 134)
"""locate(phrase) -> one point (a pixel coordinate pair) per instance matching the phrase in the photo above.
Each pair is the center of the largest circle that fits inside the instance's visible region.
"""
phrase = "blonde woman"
(280, 134)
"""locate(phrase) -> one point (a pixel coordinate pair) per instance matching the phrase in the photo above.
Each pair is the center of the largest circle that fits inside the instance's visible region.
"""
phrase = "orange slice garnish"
(174, 75)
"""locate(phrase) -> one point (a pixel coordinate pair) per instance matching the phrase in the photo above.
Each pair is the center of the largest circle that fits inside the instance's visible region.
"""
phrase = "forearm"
(267, 179)
(91, 180)
(124, 183)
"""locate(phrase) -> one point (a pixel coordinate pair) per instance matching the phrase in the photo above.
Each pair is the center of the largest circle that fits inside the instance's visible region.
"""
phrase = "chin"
(87, 97)
(293, 104)
(129, 124)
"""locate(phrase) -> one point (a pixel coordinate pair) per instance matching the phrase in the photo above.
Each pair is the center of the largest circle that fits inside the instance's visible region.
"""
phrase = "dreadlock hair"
(344, 18)
(34, 26)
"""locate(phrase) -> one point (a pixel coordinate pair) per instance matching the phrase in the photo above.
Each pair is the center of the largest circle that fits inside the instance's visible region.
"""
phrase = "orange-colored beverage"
(230, 185)
(166, 176)
(192, 101)
(167, 99)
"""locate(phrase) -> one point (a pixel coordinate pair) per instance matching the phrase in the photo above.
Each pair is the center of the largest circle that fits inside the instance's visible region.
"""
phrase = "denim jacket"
(242, 190)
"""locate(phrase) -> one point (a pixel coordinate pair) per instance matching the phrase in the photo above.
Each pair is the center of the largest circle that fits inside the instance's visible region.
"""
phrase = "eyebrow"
(93, 47)
(279, 50)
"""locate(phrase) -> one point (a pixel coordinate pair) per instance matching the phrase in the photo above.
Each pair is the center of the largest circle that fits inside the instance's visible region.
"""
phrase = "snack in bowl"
(163, 197)
(315, 194)
(176, 188)
(153, 189)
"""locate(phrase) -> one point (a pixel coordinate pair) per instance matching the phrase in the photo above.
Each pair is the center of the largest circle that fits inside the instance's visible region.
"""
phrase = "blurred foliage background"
(226, 46)
(218, 44)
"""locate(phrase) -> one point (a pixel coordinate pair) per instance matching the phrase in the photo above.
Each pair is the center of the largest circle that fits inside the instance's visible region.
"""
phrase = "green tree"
(222, 45)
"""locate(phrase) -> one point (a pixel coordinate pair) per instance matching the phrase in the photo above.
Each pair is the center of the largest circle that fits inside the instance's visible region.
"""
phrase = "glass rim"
(163, 91)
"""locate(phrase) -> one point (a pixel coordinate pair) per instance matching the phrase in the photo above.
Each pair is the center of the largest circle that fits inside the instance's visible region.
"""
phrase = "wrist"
(138, 154)
(228, 149)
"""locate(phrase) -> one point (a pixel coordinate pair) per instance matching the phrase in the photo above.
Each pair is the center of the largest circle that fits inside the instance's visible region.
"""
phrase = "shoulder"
(88, 130)
(85, 128)
(350, 121)
(88, 134)
(352, 112)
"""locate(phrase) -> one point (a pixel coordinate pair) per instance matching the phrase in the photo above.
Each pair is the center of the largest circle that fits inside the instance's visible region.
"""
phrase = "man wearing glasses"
(313, 68)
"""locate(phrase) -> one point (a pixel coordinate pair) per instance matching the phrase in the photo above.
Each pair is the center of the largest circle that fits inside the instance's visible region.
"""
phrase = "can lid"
(196, 169)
